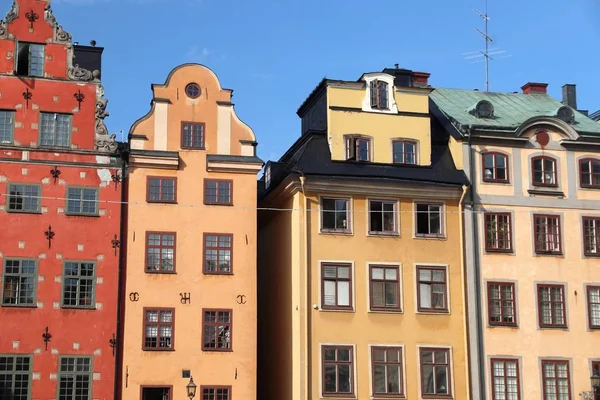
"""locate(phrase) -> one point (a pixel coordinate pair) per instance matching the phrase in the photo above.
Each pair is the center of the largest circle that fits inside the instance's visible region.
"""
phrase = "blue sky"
(274, 52)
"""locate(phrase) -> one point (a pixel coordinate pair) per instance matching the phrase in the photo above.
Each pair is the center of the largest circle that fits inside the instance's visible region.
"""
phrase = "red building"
(60, 214)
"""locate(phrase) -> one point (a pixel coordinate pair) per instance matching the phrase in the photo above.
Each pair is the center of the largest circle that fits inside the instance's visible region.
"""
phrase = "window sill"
(383, 234)
(161, 202)
(499, 251)
(339, 309)
(540, 192)
(388, 396)
(506, 183)
(336, 232)
(437, 396)
(24, 212)
(433, 312)
(160, 272)
(157, 349)
(498, 325)
(193, 148)
(90, 308)
(218, 204)
(429, 237)
(555, 327)
(591, 255)
(383, 311)
(217, 273)
(68, 214)
(19, 305)
(549, 253)
(218, 350)
(582, 187)
(338, 396)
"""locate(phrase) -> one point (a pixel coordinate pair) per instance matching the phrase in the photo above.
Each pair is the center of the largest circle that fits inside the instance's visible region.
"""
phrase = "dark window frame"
(448, 371)
(552, 303)
(161, 194)
(20, 275)
(337, 279)
(216, 395)
(217, 202)
(547, 235)
(543, 183)
(385, 281)
(195, 86)
(348, 229)
(89, 374)
(191, 146)
(158, 324)
(589, 306)
(556, 378)
(404, 143)
(168, 387)
(7, 117)
(494, 178)
(386, 363)
(160, 246)
(18, 59)
(504, 360)
(79, 277)
(591, 184)
(23, 197)
(431, 282)
(489, 240)
(383, 232)
(82, 201)
(216, 325)
(442, 208)
(594, 237)
(14, 371)
(502, 301)
(218, 248)
(337, 362)
(380, 95)
(54, 133)
(353, 147)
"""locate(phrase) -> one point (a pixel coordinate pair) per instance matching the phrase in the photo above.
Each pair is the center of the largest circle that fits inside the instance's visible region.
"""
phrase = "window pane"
(330, 378)
(425, 295)
(344, 378)
(380, 381)
(344, 293)
(330, 293)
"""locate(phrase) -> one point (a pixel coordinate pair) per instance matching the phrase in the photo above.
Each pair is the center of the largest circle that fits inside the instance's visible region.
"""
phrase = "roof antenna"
(397, 66)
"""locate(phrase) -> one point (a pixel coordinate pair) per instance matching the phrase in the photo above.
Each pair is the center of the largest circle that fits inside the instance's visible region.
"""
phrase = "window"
(156, 393)
(547, 234)
(218, 192)
(498, 232)
(382, 217)
(502, 308)
(505, 379)
(435, 372)
(23, 198)
(387, 371)
(596, 368)
(267, 176)
(55, 130)
(336, 286)
(431, 289)
(82, 201)
(589, 171)
(551, 304)
(591, 236)
(338, 370)
(495, 167)
(335, 215)
(216, 393)
(358, 148)
(15, 377)
(75, 378)
(30, 59)
(160, 251)
(404, 151)
(20, 280)
(7, 123)
(544, 171)
(192, 135)
(379, 95)
(429, 219)
(78, 284)
(385, 288)
(593, 299)
(192, 90)
(217, 327)
(217, 253)
(159, 324)
(161, 190)
(556, 375)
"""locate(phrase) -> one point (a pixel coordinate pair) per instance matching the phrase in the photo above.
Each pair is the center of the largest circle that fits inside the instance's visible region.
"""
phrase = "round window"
(192, 90)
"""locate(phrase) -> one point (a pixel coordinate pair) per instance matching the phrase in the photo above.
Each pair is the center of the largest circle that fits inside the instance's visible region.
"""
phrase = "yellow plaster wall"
(456, 150)
(190, 219)
(412, 102)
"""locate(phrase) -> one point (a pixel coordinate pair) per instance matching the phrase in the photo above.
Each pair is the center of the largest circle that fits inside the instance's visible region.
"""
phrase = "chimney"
(534, 88)
(569, 96)
(419, 79)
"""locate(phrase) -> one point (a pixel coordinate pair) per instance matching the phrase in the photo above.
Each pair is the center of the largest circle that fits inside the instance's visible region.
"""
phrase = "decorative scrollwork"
(241, 299)
(60, 35)
(587, 395)
(134, 296)
(104, 141)
(80, 74)
(13, 13)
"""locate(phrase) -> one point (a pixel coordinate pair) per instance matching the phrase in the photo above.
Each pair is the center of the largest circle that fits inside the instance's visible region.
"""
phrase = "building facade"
(191, 245)
(60, 210)
(532, 235)
(360, 273)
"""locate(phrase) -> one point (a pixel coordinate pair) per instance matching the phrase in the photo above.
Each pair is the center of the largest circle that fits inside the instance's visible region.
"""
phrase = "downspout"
(465, 188)
(307, 293)
(477, 271)
(121, 275)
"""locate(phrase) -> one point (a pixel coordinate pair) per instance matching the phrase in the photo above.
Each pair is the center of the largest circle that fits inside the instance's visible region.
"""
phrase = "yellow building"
(360, 273)
(191, 245)
(532, 234)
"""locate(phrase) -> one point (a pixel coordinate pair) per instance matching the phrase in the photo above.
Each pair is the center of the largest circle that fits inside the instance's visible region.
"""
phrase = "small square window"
(505, 379)
(15, 376)
(498, 232)
(544, 171)
(382, 217)
(591, 236)
(551, 306)
(216, 392)
(157, 393)
(429, 220)
(593, 299)
(502, 308)
(218, 192)
(160, 252)
(556, 379)
(589, 172)
(435, 372)
(55, 130)
(495, 167)
(161, 190)
(159, 324)
(338, 371)
(218, 253)
(217, 330)
(358, 148)
(192, 135)
(79, 284)
(75, 378)
(30, 59)
(547, 234)
(432, 289)
(23, 198)
(82, 201)
(379, 95)
(405, 152)
(387, 369)
(385, 288)
(19, 283)
(336, 286)
(335, 215)
(7, 126)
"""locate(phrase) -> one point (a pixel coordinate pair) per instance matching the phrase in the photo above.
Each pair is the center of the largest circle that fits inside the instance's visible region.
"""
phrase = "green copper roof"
(510, 109)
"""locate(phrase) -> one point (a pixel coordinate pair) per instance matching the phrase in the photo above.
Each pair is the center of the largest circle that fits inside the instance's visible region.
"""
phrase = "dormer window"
(267, 176)
(379, 95)
(484, 109)
(566, 114)
(358, 148)
(405, 151)
(544, 171)
(30, 59)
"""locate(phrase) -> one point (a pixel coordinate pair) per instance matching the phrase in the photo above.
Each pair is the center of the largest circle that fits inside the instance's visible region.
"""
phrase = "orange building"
(191, 247)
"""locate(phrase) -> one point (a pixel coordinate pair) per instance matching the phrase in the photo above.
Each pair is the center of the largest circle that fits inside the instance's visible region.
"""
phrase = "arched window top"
(484, 109)
(495, 167)
(589, 172)
(566, 114)
(379, 94)
(544, 171)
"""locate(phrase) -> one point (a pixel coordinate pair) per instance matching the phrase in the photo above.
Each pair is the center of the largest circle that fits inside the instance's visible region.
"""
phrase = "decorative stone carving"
(60, 35)
(3, 30)
(10, 17)
(587, 395)
(80, 74)
(103, 140)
